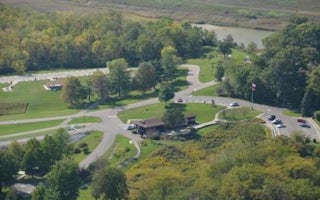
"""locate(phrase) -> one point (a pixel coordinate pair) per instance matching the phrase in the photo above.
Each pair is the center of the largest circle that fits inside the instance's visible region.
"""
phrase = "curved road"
(111, 124)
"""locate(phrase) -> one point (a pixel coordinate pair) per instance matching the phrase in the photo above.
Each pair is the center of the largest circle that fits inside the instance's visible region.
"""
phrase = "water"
(240, 35)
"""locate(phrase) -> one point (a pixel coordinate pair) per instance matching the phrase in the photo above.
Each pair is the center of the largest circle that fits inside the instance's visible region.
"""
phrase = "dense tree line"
(31, 40)
(287, 72)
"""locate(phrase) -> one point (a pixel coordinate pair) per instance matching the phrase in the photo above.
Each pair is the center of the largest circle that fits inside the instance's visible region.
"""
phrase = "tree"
(173, 116)
(225, 48)
(252, 47)
(306, 105)
(145, 77)
(99, 84)
(63, 179)
(314, 81)
(31, 156)
(110, 183)
(8, 167)
(16, 149)
(219, 72)
(73, 92)
(166, 93)
(39, 193)
(169, 63)
(119, 76)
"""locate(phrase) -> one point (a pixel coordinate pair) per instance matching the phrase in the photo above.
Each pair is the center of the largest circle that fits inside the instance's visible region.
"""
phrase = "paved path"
(111, 124)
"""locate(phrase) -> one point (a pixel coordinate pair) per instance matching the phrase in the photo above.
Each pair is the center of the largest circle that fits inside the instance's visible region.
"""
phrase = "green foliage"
(73, 91)
(166, 92)
(241, 113)
(9, 166)
(63, 180)
(100, 85)
(110, 183)
(317, 115)
(173, 117)
(145, 77)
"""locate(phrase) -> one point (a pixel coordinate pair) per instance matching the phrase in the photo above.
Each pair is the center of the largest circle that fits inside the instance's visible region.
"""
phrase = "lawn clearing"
(85, 119)
(32, 135)
(92, 140)
(42, 103)
(236, 114)
(208, 91)
(207, 68)
(292, 113)
(123, 149)
(203, 112)
(17, 128)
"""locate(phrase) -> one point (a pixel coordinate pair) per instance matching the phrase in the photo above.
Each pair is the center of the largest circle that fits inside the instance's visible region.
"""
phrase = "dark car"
(276, 121)
(305, 125)
(271, 117)
(301, 120)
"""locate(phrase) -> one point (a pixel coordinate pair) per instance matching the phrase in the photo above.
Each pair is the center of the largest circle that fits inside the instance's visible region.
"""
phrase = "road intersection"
(111, 125)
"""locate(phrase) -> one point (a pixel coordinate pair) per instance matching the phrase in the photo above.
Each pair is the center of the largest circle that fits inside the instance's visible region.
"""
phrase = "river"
(240, 35)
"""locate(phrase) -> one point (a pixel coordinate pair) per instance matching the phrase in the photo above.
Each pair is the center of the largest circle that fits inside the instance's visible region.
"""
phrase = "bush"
(76, 151)
(83, 145)
(316, 115)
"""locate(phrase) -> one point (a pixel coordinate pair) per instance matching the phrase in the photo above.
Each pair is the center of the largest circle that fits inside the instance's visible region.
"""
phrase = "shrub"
(83, 145)
(76, 151)
(316, 115)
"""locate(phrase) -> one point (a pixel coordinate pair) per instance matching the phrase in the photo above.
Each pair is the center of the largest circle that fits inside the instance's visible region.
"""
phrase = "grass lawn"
(207, 67)
(150, 111)
(16, 128)
(240, 113)
(292, 113)
(208, 91)
(85, 119)
(16, 137)
(42, 103)
(93, 139)
(121, 150)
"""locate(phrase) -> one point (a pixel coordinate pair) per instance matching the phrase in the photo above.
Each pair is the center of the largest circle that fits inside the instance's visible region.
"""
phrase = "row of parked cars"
(279, 124)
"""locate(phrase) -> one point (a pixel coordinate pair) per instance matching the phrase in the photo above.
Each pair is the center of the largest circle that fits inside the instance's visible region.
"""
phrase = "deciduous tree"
(110, 183)
(73, 91)
(119, 76)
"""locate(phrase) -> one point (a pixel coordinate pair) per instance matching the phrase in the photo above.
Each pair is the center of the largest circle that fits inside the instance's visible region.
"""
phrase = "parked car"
(179, 100)
(301, 120)
(233, 104)
(276, 121)
(281, 126)
(305, 125)
(271, 117)
(130, 127)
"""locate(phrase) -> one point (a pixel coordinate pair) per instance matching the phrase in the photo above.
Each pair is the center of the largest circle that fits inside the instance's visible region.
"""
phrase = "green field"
(268, 14)
(32, 135)
(292, 113)
(16, 128)
(85, 119)
(208, 91)
(236, 114)
(203, 112)
(42, 103)
(93, 139)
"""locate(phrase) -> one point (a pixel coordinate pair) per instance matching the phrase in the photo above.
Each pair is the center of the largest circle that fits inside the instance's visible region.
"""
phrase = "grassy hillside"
(263, 14)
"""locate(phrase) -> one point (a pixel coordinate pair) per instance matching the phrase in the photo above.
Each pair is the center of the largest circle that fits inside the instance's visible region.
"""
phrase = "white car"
(281, 126)
(130, 127)
(233, 104)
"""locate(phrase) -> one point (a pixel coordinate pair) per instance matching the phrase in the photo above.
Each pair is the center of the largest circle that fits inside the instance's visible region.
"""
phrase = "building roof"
(149, 123)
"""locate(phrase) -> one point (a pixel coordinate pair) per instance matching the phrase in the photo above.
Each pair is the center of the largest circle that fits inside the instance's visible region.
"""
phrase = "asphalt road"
(111, 124)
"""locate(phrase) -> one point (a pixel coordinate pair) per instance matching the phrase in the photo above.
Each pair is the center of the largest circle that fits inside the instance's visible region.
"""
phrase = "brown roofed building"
(149, 125)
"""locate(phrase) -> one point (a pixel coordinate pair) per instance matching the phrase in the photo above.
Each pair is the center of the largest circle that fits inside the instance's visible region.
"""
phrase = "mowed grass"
(93, 139)
(208, 91)
(42, 103)
(123, 150)
(207, 68)
(241, 113)
(203, 112)
(292, 113)
(32, 135)
(85, 119)
(16, 128)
